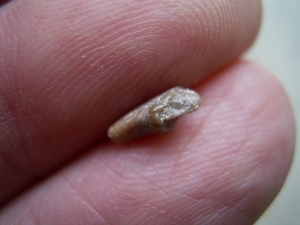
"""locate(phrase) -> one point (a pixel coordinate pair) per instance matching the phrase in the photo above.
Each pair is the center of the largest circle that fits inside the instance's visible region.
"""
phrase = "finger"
(223, 164)
(3, 2)
(69, 69)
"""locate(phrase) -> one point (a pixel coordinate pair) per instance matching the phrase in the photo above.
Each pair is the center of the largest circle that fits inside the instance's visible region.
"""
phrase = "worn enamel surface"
(155, 116)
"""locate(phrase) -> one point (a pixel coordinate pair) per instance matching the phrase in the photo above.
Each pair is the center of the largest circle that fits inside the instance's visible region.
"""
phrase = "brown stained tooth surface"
(158, 115)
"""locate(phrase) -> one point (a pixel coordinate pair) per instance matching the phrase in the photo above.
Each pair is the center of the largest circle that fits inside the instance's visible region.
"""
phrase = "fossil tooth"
(158, 115)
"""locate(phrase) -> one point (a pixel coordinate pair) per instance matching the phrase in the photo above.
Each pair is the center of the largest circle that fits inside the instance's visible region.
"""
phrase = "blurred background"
(278, 49)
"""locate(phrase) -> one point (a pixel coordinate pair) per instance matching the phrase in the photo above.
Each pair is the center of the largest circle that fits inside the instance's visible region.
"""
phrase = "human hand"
(70, 68)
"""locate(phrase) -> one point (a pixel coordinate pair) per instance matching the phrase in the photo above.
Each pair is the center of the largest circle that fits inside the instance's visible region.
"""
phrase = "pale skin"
(70, 68)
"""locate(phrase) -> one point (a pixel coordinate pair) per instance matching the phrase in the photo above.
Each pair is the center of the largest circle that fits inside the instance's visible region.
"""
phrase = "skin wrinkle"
(64, 17)
(219, 207)
(79, 89)
(243, 202)
(225, 91)
(111, 32)
(116, 187)
(188, 209)
(189, 140)
(34, 166)
(153, 49)
(16, 124)
(43, 54)
(210, 212)
(177, 162)
(202, 41)
(216, 25)
(260, 156)
(211, 111)
(214, 163)
(62, 197)
(233, 218)
(204, 210)
(252, 190)
(115, 172)
(154, 185)
(211, 185)
(27, 158)
(236, 206)
(5, 39)
(85, 202)
(159, 210)
(240, 146)
(254, 213)
(190, 183)
(217, 37)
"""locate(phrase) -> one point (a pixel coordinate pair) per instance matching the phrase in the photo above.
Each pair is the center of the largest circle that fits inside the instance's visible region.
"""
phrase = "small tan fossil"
(155, 116)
